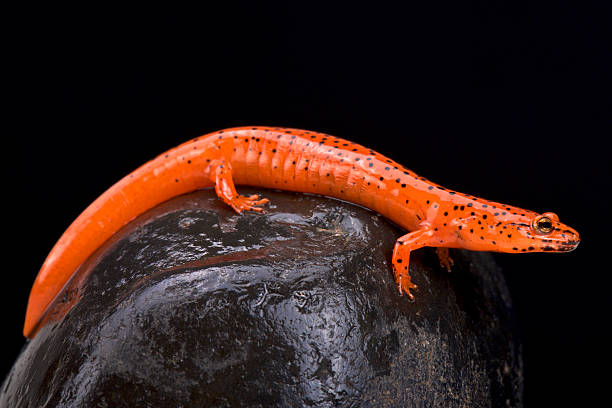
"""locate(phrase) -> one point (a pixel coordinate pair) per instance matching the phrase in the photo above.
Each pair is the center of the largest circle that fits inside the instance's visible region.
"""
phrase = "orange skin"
(304, 161)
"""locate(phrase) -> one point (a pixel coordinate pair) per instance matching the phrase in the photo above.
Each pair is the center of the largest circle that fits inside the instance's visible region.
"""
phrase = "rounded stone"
(193, 305)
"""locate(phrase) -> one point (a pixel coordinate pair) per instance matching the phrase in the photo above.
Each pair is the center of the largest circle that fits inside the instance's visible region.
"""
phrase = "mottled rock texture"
(192, 305)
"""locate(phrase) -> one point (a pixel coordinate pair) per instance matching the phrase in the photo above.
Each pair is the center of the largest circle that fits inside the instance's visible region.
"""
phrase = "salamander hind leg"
(401, 258)
(221, 174)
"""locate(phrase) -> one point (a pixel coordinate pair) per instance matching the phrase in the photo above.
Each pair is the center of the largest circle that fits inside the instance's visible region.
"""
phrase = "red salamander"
(303, 161)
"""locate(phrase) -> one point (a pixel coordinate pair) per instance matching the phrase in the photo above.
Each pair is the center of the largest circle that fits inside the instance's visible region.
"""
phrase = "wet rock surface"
(192, 305)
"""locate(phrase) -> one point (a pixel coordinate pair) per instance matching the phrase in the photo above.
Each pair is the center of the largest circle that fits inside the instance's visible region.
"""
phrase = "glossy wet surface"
(193, 305)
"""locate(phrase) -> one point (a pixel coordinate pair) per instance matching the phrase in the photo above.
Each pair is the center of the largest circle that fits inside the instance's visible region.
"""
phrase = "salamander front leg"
(221, 174)
(401, 257)
(446, 261)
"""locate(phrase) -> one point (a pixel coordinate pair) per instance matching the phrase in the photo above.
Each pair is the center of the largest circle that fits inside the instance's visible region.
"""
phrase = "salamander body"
(309, 162)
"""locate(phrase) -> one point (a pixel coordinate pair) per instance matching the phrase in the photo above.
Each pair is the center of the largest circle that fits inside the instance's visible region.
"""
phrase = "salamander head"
(509, 229)
(546, 234)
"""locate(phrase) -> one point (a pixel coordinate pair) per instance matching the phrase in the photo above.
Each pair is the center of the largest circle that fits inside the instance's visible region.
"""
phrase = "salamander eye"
(543, 225)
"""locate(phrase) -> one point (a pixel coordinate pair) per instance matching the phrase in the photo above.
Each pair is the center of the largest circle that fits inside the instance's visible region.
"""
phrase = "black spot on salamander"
(531, 248)
(371, 164)
(430, 188)
(484, 216)
(456, 207)
(445, 213)
(469, 205)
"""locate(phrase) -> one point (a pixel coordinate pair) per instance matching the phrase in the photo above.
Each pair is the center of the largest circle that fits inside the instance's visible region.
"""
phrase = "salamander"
(309, 162)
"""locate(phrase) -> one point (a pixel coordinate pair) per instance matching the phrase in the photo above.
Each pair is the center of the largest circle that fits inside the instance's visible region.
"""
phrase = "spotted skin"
(303, 161)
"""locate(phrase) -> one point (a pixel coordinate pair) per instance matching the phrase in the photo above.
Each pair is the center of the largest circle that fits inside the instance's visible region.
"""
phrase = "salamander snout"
(553, 236)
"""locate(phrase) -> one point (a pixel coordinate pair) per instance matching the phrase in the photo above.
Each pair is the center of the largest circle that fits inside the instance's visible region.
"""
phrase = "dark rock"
(192, 305)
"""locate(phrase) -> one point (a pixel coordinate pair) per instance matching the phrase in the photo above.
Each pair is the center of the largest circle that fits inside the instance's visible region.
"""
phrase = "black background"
(505, 100)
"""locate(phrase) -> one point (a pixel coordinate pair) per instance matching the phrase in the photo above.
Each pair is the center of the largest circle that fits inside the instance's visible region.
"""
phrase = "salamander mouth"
(566, 246)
